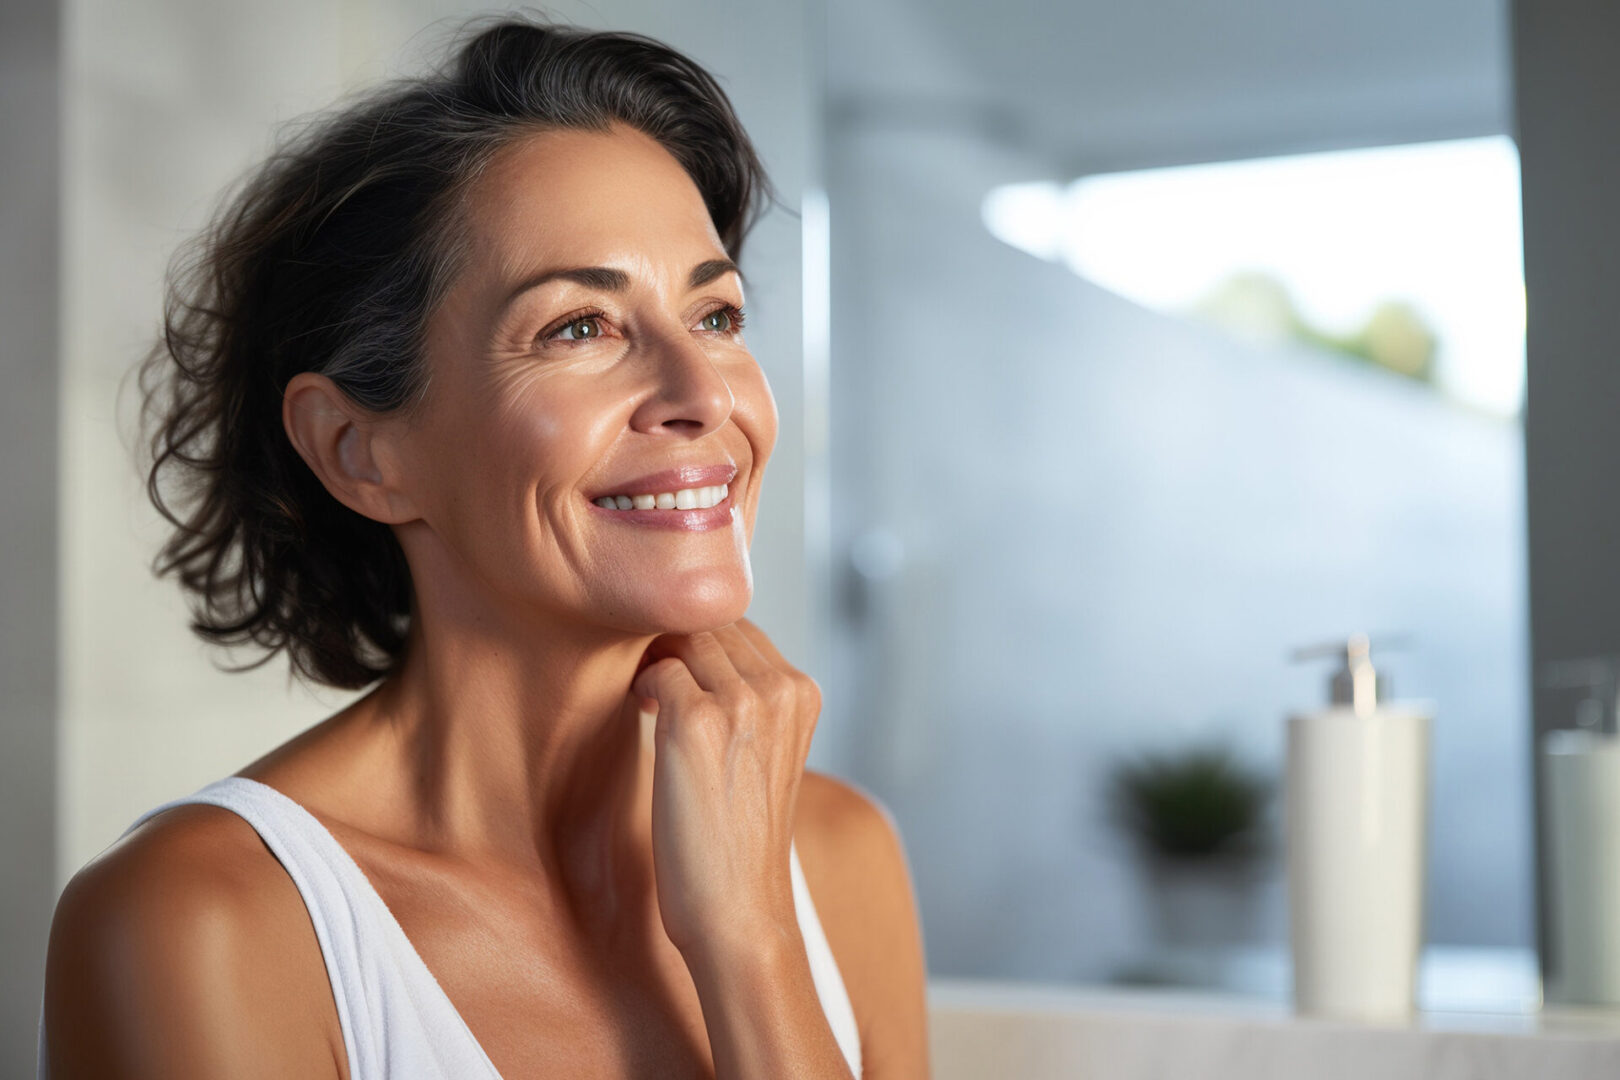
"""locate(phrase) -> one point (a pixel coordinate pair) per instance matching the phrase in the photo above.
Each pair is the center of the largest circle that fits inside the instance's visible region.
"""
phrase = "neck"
(520, 746)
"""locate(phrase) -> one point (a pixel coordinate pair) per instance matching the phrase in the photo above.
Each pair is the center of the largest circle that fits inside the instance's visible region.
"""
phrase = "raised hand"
(733, 731)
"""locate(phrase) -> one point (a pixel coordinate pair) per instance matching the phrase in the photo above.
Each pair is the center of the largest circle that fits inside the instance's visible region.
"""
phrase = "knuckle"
(731, 701)
(778, 687)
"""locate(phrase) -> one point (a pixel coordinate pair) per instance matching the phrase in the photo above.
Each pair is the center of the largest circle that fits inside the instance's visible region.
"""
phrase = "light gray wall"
(1568, 103)
(1116, 526)
(30, 179)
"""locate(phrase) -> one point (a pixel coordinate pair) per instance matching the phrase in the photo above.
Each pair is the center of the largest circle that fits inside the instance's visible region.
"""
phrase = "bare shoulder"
(186, 950)
(860, 881)
(847, 833)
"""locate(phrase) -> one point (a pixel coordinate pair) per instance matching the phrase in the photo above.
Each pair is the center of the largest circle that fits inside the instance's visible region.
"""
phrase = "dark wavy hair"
(330, 257)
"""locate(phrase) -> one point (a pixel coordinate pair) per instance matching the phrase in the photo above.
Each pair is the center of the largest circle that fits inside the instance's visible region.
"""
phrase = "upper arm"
(179, 953)
(855, 864)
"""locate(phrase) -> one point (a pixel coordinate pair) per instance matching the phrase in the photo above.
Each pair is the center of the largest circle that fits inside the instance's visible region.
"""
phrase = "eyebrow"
(609, 279)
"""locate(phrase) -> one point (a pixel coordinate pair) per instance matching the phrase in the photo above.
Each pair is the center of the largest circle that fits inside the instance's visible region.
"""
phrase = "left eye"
(582, 329)
(717, 320)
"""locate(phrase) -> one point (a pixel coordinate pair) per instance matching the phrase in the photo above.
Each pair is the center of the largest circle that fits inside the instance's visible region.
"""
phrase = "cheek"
(755, 412)
(484, 463)
(550, 430)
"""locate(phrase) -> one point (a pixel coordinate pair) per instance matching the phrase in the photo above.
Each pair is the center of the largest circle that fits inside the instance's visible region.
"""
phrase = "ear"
(346, 446)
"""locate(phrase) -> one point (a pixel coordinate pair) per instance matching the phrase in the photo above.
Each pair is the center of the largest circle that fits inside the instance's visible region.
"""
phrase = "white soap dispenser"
(1356, 838)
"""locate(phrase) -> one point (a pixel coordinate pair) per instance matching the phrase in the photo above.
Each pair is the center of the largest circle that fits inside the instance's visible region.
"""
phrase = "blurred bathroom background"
(1121, 350)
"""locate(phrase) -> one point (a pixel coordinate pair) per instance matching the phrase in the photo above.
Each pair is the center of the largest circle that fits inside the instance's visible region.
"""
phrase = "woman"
(455, 396)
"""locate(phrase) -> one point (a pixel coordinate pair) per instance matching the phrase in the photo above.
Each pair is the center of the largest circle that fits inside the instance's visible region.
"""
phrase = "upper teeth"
(698, 498)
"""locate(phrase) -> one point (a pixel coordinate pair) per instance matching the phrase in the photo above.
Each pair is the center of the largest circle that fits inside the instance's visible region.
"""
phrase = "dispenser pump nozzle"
(1356, 684)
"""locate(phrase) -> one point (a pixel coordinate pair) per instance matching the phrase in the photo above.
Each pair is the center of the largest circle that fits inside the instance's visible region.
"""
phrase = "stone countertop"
(993, 1029)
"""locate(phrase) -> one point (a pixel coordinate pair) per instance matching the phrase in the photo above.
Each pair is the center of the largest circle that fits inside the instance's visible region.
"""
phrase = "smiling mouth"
(697, 498)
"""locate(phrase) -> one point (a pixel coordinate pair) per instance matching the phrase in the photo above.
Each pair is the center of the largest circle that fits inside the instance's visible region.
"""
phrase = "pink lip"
(687, 476)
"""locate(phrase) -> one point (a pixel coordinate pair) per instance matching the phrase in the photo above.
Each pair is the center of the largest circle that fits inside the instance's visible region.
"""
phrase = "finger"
(667, 681)
(745, 656)
(659, 647)
(706, 659)
(654, 652)
(757, 637)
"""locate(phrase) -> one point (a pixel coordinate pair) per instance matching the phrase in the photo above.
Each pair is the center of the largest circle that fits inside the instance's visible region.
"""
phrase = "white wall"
(166, 102)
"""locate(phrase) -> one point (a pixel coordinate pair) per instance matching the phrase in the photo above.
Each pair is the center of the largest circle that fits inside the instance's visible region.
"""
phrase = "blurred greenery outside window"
(1407, 258)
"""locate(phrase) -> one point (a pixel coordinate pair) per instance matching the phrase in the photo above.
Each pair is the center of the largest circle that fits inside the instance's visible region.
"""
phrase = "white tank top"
(398, 1024)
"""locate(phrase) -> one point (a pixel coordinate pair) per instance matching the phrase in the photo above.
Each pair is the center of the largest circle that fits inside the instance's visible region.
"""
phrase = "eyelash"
(735, 314)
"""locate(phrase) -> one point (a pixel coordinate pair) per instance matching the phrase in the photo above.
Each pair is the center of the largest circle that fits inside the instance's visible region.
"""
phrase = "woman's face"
(590, 350)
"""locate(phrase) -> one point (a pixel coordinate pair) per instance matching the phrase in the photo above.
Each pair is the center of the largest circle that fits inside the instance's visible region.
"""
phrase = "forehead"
(585, 197)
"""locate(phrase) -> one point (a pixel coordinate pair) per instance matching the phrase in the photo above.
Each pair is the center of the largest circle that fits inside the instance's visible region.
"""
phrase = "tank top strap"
(397, 1022)
(824, 968)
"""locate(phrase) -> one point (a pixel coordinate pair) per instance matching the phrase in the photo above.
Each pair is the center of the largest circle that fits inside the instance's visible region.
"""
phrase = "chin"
(692, 606)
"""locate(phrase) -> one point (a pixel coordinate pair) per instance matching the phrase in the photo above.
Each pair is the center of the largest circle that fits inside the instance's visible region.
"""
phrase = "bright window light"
(1433, 227)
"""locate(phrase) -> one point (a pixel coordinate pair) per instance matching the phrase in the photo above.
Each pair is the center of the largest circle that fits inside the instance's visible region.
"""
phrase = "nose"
(690, 396)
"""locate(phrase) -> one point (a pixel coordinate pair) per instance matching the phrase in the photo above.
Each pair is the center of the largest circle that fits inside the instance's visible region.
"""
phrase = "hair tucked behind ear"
(330, 258)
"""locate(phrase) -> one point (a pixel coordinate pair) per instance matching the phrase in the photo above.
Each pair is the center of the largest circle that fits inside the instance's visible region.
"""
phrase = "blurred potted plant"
(1197, 818)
